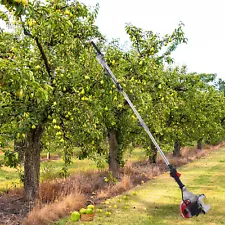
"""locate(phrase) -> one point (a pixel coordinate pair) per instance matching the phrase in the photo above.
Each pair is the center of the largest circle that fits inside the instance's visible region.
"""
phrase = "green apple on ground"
(107, 213)
(75, 216)
(99, 210)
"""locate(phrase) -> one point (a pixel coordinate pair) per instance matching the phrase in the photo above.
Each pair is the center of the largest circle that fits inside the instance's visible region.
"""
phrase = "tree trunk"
(32, 163)
(176, 151)
(199, 144)
(153, 154)
(48, 156)
(114, 164)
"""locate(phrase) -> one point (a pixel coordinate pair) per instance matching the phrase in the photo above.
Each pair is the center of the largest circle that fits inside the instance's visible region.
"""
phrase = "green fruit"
(19, 93)
(82, 92)
(91, 207)
(89, 211)
(67, 12)
(82, 211)
(33, 127)
(75, 216)
(24, 2)
(38, 66)
(99, 210)
(107, 213)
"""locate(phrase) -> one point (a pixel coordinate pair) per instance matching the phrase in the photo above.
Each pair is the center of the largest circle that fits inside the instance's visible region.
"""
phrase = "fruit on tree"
(19, 93)
(24, 2)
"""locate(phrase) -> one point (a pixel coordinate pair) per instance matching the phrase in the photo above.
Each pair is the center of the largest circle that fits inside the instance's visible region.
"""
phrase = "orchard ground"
(152, 198)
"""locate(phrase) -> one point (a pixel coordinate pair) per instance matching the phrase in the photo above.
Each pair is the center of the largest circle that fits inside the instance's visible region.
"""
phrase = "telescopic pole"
(101, 60)
(191, 205)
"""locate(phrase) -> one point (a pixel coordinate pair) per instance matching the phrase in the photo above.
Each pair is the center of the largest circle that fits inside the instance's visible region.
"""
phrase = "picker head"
(191, 205)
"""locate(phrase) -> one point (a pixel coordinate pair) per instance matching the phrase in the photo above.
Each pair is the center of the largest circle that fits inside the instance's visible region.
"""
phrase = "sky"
(204, 27)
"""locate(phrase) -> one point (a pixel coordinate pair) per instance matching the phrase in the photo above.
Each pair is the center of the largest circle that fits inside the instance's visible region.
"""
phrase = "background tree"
(42, 77)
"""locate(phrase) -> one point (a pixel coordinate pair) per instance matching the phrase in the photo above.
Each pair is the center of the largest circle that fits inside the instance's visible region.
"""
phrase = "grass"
(50, 169)
(9, 177)
(157, 201)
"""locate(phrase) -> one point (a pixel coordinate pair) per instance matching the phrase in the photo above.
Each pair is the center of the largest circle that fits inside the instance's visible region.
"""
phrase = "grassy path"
(157, 202)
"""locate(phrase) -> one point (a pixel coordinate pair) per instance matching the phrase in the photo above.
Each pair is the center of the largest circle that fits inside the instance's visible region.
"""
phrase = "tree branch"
(44, 57)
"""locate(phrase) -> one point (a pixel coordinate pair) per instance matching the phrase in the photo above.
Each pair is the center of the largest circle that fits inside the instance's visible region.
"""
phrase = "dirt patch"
(13, 209)
(90, 185)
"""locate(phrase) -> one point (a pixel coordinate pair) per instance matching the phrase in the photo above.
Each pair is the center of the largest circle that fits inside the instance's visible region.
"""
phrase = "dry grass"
(115, 189)
(61, 196)
(54, 211)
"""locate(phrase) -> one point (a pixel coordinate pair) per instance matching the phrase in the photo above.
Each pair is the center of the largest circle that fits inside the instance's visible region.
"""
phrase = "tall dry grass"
(49, 213)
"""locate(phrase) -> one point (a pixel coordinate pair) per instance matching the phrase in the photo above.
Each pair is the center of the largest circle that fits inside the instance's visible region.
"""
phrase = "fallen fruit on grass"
(75, 216)
(99, 210)
(115, 206)
(107, 213)
(135, 193)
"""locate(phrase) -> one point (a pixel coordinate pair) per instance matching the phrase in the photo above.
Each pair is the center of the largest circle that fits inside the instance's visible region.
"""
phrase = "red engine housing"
(184, 209)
